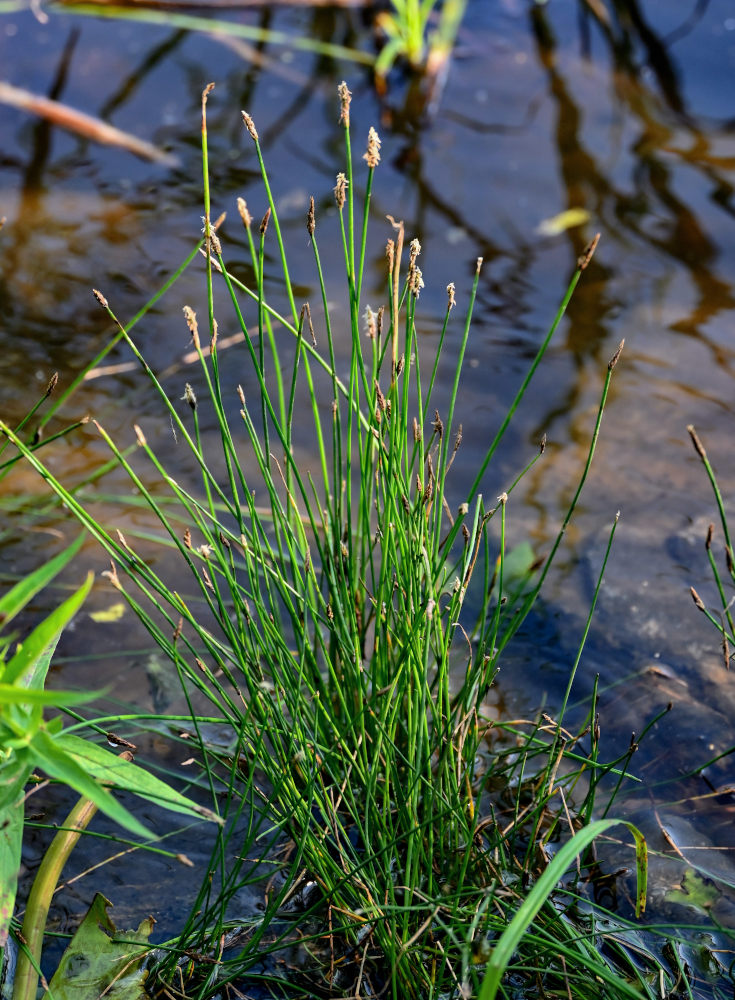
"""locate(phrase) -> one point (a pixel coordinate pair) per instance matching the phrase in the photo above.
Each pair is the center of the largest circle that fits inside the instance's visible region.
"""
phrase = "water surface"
(544, 109)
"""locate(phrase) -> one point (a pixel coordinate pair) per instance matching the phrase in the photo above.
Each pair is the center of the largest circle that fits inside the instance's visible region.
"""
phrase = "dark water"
(544, 109)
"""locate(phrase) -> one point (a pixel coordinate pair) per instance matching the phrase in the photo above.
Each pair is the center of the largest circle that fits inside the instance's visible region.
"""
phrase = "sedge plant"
(722, 619)
(348, 621)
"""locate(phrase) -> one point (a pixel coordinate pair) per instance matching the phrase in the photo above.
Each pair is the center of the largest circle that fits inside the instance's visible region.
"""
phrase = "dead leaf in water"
(557, 224)
(102, 961)
(112, 614)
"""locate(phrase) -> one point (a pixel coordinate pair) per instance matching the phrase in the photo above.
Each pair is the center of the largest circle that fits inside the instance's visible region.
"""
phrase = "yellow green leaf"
(112, 614)
(564, 220)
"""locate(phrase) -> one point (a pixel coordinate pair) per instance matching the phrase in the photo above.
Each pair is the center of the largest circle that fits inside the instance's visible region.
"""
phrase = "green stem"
(39, 900)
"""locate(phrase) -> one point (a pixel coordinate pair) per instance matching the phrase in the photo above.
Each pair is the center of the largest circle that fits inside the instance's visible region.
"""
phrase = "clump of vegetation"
(29, 743)
(348, 625)
(409, 36)
(723, 618)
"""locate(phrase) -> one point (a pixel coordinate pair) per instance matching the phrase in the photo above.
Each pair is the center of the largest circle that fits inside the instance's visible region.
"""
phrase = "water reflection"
(617, 108)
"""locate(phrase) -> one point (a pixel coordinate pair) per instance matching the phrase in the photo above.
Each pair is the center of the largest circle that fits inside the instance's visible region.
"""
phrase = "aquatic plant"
(29, 743)
(348, 623)
(406, 28)
(723, 618)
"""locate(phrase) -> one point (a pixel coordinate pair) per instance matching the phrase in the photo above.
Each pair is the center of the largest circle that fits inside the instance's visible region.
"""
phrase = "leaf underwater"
(557, 224)
(102, 961)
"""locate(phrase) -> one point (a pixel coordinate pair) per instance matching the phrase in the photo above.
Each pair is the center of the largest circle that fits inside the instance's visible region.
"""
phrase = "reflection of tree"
(687, 240)
(682, 237)
(44, 279)
(586, 186)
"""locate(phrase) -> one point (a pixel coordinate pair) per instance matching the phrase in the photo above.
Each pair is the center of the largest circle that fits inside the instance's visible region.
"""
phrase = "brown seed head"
(589, 250)
(370, 322)
(698, 446)
(242, 207)
(450, 294)
(264, 221)
(372, 155)
(379, 396)
(614, 359)
(345, 96)
(52, 383)
(390, 253)
(101, 299)
(311, 218)
(416, 281)
(415, 250)
(697, 599)
(112, 576)
(190, 396)
(250, 125)
(191, 321)
(340, 191)
(214, 241)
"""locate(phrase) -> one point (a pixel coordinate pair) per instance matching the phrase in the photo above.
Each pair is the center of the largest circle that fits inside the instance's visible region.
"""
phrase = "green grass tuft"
(347, 627)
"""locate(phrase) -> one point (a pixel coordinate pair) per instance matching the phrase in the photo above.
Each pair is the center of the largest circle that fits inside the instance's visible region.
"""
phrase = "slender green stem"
(41, 894)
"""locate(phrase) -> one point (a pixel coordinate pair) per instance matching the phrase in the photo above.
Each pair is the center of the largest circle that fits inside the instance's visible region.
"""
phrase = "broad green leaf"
(52, 757)
(11, 694)
(30, 664)
(511, 936)
(19, 595)
(14, 773)
(102, 961)
(123, 774)
(11, 840)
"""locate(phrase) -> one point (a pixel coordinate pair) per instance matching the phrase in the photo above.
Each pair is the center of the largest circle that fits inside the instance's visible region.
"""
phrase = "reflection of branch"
(136, 77)
(684, 239)
(82, 124)
(658, 58)
(691, 22)
(495, 128)
(41, 144)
